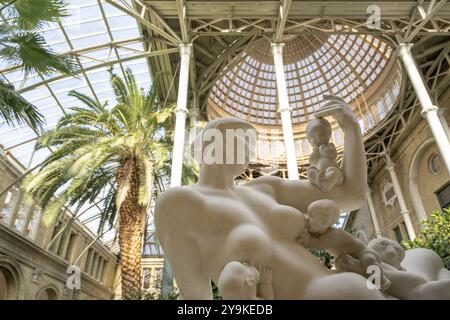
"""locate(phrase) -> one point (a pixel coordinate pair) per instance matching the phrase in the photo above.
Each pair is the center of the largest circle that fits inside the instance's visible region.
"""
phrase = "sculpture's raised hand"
(337, 108)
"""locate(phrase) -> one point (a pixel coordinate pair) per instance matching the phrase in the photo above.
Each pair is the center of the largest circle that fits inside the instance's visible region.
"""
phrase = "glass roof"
(359, 68)
(103, 39)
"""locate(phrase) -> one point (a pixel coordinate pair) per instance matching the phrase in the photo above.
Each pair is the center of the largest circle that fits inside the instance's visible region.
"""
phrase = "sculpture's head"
(238, 281)
(226, 142)
(318, 131)
(390, 251)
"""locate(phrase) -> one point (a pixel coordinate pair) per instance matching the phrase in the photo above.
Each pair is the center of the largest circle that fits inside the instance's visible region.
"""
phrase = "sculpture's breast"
(286, 221)
(282, 220)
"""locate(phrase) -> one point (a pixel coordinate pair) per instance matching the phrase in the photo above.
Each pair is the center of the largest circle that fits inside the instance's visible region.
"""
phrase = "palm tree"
(23, 47)
(102, 151)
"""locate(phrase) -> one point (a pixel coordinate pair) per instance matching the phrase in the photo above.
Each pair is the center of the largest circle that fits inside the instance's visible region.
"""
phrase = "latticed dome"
(359, 68)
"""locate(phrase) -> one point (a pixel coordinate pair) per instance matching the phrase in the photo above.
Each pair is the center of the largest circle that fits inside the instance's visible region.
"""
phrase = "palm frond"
(29, 50)
(33, 14)
(14, 109)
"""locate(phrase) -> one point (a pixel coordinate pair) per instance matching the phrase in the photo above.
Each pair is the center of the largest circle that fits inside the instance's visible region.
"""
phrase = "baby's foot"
(313, 175)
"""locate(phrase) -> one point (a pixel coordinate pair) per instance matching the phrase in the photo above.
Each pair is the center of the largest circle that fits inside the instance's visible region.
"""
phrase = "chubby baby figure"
(240, 281)
(403, 284)
(323, 171)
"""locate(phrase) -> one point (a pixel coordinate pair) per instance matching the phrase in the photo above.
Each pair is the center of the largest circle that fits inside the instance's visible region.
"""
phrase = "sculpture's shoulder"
(268, 184)
(178, 200)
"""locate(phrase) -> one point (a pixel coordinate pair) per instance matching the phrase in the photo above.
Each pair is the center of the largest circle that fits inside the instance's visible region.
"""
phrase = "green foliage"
(15, 109)
(33, 14)
(23, 47)
(215, 291)
(435, 235)
(324, 257)
(92, 142)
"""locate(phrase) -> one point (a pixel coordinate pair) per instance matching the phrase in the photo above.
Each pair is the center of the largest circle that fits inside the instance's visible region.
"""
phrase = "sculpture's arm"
(351, 194)
(338, 242)
(173, 211)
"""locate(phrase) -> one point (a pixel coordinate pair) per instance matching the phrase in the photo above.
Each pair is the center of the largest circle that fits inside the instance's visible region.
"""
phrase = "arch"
(48, 292)
(413, 177)
(11, 277)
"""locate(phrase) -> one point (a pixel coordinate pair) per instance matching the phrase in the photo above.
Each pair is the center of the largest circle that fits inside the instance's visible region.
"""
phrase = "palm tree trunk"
(130, 231)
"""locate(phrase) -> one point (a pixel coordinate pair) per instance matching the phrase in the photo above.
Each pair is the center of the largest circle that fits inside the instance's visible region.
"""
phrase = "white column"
(429, 111)
(180, 116)
(373, 214)
(401, 200)
(285, 111)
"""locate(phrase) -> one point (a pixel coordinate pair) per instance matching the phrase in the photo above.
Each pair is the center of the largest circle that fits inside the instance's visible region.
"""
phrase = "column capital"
(285, 109)
(390, 166)
(426, 110)
(185, 49)
(183, 110)
(277, 48)
(404, 48)
(404, 212)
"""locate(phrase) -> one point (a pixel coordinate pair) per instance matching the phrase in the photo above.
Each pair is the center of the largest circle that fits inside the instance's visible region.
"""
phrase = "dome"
(361, 69)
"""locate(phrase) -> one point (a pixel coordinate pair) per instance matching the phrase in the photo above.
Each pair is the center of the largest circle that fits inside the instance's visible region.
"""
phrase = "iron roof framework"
(220, 31)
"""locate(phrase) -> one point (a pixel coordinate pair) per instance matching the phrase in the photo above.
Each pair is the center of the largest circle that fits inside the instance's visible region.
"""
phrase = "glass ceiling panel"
(88, 31)
(353, 67)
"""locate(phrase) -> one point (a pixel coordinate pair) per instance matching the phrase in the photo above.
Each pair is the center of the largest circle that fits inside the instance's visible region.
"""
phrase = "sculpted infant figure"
(240, 281)
(403, 284)
(323, 171)
(321, 215)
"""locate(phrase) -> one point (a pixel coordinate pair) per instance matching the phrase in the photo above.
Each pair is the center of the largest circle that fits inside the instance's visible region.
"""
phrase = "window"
(147, 277)
(22, 216)
(398, 234)
(158, 277)
(443, 196)
(388, 192)
(88, 260)
(33, 225)
(70, 246)
(12, 196)
(434, 164)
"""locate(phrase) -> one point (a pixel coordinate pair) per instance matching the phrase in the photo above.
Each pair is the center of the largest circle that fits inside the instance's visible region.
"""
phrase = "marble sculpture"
(253, 240)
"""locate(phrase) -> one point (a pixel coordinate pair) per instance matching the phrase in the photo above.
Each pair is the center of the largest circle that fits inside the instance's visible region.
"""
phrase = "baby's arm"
(337, 242)
(404, 285)
(314, 156)
(328, 150)
(265, 288)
